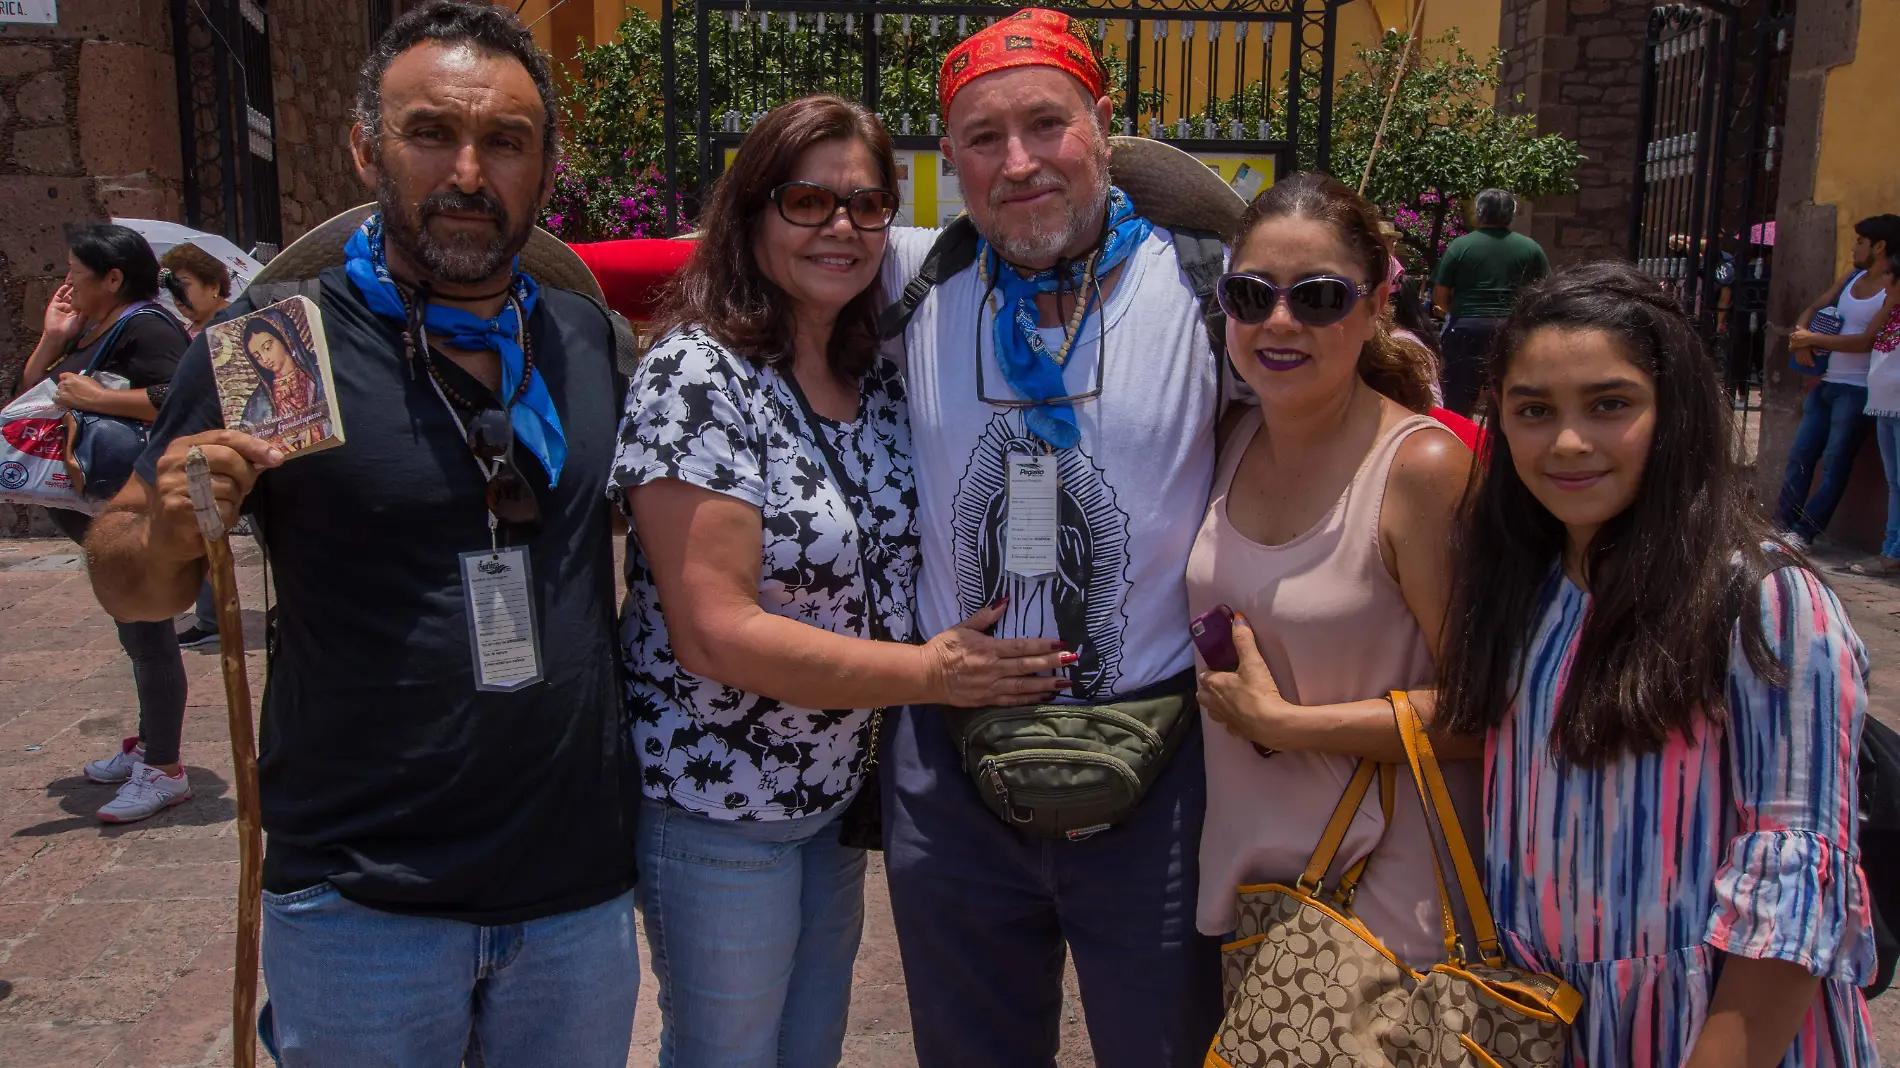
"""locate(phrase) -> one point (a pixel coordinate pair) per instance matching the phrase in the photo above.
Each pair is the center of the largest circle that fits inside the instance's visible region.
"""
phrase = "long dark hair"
(1400, 372)
(1665, 586)
(721, 287)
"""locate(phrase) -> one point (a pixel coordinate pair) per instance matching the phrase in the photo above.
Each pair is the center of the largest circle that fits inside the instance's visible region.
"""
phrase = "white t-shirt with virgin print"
(1131, 494)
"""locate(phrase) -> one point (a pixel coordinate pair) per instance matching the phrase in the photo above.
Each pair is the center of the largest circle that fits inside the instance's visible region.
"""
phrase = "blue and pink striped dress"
(1626, 879)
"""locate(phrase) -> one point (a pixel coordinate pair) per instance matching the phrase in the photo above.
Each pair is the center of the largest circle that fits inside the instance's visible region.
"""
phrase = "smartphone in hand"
(1213, 634)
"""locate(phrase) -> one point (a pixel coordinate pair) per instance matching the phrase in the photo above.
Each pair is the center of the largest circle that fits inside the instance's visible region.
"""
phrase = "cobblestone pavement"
(116, 943)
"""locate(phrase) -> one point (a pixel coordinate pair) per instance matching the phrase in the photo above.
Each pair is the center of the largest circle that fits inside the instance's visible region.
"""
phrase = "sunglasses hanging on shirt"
(488, 430)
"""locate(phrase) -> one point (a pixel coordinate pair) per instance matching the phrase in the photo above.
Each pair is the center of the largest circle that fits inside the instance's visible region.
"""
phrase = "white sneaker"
(117, 767)
(1797, 541)
(146, 793)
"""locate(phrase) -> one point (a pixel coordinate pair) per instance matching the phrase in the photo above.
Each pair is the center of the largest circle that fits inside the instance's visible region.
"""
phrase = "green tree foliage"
(1444, 141)
(614, 125)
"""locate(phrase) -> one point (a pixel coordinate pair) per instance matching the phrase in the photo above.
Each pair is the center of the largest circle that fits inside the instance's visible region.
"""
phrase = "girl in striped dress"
(1671, 700)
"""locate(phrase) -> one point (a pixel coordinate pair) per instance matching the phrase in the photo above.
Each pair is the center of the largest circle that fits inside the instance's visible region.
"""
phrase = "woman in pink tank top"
(1328, 533)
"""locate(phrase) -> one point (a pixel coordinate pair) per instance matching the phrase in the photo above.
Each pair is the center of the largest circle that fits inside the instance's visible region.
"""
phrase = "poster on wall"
(36, 12)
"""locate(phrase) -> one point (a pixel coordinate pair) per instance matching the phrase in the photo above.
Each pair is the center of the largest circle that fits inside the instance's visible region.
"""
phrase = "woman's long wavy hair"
(1668, 578)
(1401, 371)
(721, 287)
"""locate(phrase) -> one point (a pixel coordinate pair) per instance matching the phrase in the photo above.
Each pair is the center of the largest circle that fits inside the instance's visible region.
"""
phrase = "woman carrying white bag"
(103, 321)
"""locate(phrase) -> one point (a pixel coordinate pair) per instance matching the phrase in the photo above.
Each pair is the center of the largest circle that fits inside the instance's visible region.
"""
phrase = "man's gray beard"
(463, 259)
(1086, 214)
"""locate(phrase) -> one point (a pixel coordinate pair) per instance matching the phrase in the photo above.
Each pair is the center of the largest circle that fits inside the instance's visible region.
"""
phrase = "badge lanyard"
(497, 585)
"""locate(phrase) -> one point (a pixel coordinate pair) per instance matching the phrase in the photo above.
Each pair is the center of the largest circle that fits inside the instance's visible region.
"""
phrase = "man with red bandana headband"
(1063, 408)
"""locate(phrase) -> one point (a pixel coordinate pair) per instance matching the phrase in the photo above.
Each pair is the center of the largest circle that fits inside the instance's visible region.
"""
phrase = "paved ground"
(116, 944)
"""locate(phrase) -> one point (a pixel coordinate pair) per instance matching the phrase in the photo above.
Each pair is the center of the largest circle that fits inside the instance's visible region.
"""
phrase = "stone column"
(1575, 65)
(1806, 242)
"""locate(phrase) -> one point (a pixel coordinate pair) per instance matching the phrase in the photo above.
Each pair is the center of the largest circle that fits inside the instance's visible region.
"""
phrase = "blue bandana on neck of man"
(537, 425)
(1028, 365)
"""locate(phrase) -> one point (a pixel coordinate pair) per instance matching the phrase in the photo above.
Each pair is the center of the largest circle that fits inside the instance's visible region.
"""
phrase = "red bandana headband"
(1032, 37)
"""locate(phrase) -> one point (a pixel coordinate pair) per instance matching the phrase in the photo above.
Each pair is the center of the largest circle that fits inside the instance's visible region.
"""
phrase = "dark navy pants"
(983, 913)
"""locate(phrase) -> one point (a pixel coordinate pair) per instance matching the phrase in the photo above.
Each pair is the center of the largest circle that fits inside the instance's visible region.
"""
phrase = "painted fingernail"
(1000, 601)
(1069, 658)
(1062, 684)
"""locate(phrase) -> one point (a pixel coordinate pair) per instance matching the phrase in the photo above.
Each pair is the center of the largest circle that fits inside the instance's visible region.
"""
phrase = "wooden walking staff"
(237, 698)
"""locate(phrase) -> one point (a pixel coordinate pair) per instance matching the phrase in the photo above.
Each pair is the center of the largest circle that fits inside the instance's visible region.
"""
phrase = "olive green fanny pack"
(1068, 771)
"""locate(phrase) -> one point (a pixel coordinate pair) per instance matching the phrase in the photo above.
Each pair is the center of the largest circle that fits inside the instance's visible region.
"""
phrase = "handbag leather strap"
(1335, 834)
(1436, 799)
(1388, 791)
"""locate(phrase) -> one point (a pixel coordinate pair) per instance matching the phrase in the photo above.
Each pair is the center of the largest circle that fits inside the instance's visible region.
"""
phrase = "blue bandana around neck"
(1028, 365)
(537, 425)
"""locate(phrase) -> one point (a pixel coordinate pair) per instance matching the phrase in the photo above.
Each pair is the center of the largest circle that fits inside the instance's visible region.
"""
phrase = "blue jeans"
(205, 612)
(1887, 436)
(356, 987)
(1832, 427)
(753, 927)
(984, 912)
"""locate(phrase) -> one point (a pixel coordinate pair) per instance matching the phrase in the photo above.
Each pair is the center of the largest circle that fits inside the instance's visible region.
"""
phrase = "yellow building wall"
(1859, 171)
(1363, 22)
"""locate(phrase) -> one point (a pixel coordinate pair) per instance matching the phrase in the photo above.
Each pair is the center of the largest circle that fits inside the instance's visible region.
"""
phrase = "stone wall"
(1576, 65)
(88, 127)
(316, 48)
(1807, 240)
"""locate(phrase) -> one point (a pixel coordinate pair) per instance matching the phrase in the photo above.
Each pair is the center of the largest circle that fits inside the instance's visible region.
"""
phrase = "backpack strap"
(263, 296)
(954, 250)
(626, 344)
(1204, 259)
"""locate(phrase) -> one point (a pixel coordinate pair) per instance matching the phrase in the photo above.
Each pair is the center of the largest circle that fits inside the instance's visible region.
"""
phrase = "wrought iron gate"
(1715, 86)
(1200, 73)
(226, 120)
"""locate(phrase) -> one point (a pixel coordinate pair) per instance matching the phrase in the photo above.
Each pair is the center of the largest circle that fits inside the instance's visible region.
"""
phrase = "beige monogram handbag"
(1308, 986)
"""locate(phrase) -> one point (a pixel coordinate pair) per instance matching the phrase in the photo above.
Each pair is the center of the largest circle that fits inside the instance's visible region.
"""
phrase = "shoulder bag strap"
(1436, 799)
(1388, 798)
(1335, 833)
(873, 620)
(117, 328)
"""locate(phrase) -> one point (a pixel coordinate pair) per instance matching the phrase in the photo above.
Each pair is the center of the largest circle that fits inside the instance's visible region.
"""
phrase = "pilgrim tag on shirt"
(1032, 515)
(501, 630)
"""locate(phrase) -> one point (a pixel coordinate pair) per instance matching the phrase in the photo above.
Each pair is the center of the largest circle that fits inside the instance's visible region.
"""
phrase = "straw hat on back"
(544, 258)
(1172, 188)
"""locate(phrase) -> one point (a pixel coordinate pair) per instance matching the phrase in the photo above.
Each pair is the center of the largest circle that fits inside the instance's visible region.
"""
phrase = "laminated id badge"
(501, 626)
(1031, 533)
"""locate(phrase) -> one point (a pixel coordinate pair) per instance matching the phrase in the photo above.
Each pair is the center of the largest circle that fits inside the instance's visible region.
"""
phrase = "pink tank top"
(1331, 623)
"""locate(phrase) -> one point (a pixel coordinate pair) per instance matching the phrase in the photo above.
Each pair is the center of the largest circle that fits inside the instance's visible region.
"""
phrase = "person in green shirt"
(1474, 287)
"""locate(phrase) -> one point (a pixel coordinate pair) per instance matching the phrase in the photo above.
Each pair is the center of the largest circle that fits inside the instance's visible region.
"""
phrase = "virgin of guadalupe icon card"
(272, 368)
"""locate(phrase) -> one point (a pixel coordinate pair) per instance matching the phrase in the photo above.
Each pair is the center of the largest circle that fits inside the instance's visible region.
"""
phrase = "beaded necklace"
(1072, 329)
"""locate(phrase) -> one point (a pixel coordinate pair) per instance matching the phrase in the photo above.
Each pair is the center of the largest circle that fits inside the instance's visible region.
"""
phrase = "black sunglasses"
(810, 204)
(491, 437)
(1319, 301)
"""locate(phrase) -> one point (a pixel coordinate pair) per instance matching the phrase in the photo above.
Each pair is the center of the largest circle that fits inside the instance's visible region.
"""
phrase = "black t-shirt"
(146, 351)
(382, 769)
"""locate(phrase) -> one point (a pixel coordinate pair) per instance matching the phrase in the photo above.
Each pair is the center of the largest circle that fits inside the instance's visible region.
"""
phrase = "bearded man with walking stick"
(444, 773)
